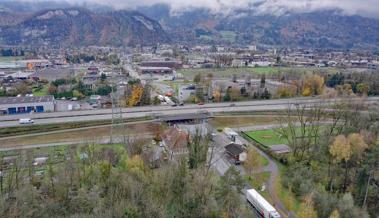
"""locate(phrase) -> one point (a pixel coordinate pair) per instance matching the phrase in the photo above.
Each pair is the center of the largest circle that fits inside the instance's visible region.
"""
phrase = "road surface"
(138, 112)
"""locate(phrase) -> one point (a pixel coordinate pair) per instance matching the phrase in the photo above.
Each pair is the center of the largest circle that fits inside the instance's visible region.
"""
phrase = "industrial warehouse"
(27, 104)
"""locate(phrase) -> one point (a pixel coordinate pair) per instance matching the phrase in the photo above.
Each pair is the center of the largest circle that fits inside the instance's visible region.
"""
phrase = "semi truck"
(259, 203)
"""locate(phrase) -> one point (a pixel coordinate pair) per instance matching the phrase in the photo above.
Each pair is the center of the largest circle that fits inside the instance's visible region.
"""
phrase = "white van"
(26, 121)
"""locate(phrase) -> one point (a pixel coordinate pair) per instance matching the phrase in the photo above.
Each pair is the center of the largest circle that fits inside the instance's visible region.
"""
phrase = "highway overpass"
(136, 112)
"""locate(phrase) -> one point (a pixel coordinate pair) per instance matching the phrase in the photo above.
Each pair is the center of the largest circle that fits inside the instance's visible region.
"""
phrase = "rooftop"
(234, 149)
(26, 99)
(155, 68)
(175, 138)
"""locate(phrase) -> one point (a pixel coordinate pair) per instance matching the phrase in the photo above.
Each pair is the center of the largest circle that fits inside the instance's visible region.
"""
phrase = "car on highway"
(26, 121)
(200, 103)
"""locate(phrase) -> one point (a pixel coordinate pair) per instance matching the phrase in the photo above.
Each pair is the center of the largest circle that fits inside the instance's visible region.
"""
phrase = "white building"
(185, 92)
(27, 104)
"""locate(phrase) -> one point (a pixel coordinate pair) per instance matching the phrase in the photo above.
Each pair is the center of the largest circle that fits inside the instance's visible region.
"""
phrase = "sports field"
(267, 137)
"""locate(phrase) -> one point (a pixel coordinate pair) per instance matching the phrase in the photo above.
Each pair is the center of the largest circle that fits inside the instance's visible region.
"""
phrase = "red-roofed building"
(175, 140)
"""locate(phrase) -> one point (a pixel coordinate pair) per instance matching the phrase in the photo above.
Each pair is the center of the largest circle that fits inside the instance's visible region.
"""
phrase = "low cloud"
(366, 8)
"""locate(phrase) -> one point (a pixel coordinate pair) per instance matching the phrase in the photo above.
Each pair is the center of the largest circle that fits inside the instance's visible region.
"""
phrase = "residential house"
(175, 140)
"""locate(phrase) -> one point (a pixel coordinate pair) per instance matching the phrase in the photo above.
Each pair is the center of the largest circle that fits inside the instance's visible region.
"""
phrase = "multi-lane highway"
(136, 112)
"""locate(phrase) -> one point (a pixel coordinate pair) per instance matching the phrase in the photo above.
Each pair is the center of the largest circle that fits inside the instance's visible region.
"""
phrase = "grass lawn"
(240, 121)
(264, 162)
(257, 180)
(271, 137)
(41, 92)
(267, 137)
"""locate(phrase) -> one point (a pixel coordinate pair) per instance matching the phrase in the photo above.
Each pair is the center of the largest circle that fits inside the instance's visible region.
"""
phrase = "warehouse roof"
(154, 68)
(26, 99)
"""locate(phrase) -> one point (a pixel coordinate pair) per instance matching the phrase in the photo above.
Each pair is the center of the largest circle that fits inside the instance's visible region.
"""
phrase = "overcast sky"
(361, 7)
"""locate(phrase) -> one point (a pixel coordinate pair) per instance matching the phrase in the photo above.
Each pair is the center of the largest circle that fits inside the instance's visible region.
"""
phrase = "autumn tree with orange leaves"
(135, 96)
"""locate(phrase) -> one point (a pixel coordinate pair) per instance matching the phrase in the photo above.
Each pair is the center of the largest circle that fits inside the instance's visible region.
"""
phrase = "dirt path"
(272, 167)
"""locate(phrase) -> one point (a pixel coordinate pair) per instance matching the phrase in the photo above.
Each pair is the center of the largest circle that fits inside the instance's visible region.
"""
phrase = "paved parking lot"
(63, 105)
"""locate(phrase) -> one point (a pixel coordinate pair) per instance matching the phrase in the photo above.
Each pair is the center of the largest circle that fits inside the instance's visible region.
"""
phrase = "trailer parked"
(259, 203)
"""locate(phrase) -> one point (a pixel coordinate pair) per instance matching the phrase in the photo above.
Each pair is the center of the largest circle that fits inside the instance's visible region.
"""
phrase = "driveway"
(272, 167)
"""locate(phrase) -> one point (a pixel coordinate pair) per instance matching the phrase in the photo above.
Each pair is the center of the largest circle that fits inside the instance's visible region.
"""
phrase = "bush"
(104, 90)
(68, 94)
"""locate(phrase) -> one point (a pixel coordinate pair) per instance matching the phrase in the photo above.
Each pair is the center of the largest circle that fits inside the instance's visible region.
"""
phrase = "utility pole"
(117, 119)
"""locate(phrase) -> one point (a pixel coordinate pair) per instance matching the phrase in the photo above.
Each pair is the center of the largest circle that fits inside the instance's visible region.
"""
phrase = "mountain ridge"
(81, 27)
(319, 29)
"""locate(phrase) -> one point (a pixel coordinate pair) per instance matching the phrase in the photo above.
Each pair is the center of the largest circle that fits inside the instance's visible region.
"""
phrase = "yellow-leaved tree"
(217, 94)
(307, 208)
(340, 149)
(135, 95)
(335, 214)
(344, 149)
(252, 161)
(313, 85)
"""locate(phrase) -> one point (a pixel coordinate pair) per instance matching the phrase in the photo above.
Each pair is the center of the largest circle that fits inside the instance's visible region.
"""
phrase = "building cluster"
(99, 68)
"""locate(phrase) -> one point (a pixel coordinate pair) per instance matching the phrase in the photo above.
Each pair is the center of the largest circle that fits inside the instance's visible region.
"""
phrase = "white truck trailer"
(263, 208)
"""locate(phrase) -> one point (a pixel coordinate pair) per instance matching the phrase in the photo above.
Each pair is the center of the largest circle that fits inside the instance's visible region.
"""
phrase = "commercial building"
(155, 70)
(173, 64)
(186, 91)
(27, 104)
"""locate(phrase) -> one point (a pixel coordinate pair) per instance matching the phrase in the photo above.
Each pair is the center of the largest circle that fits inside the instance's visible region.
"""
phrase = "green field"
(241, 71)
(267, 137)
(272, 137)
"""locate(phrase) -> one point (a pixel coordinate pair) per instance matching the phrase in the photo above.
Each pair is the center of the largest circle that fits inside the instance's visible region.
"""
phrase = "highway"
(136, 112)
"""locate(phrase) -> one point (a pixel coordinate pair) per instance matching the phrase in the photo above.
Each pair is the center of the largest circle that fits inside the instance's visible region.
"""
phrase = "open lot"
(242, 121)
(83, 135)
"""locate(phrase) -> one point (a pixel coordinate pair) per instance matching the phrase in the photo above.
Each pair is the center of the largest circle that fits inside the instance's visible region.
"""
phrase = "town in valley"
(177, 110)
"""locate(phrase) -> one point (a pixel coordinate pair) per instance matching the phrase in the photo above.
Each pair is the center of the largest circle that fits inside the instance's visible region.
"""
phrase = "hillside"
(80, 27)
(319, 29)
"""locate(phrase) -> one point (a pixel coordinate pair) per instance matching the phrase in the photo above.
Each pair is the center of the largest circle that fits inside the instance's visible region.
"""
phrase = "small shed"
(237, 152)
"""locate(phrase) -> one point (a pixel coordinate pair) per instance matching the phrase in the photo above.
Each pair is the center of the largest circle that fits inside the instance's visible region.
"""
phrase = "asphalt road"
(106, 114)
